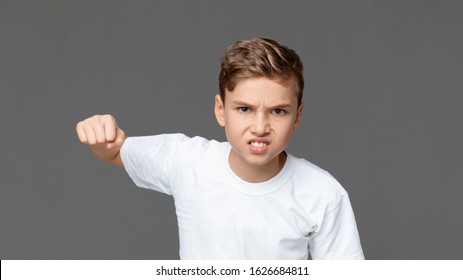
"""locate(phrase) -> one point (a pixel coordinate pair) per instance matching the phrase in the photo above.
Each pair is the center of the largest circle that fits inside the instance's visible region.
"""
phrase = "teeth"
(258, 144)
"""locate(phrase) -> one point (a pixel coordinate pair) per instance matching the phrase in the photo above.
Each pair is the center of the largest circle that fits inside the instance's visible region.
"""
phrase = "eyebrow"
(241, 103)
(244, 104)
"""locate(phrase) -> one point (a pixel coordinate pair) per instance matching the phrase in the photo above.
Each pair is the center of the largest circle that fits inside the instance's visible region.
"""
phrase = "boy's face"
(259, 116)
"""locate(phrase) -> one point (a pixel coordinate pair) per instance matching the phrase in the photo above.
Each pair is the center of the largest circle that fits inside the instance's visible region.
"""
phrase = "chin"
(259, 161)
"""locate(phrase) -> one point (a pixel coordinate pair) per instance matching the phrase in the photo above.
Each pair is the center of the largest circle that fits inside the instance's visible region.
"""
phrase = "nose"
(260, 125)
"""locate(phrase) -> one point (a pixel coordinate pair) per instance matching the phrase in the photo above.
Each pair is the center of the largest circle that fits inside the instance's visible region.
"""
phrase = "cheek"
(234, 122)
(233, 129)
(285, 130)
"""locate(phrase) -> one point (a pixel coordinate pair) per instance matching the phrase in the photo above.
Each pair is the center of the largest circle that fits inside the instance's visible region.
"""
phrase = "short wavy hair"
(261, 57)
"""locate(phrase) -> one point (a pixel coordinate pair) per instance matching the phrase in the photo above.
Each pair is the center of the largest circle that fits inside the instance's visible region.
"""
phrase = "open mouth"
(258, 145)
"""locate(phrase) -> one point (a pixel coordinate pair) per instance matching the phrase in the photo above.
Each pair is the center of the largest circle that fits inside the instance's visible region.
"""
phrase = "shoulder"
(311, 180)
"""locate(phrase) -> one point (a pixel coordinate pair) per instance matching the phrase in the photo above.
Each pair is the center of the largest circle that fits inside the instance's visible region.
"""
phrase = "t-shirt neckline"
(261, 188)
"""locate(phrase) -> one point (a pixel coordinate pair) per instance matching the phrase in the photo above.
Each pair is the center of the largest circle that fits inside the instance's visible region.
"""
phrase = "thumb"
(120, 138)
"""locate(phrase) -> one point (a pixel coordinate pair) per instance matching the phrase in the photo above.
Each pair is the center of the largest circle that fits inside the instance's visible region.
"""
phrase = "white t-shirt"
(221, 216)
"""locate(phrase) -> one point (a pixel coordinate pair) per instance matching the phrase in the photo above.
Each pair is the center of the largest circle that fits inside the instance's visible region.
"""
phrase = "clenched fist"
(103, 135)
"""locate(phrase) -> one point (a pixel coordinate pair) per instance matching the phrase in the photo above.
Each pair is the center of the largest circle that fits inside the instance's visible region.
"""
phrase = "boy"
(246, 198)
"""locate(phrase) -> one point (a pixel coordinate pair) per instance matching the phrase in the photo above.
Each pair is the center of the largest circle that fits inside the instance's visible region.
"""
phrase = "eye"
(279, 112)
(243, 109)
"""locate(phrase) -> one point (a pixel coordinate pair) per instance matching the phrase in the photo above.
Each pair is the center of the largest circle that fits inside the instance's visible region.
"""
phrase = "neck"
(256, 173)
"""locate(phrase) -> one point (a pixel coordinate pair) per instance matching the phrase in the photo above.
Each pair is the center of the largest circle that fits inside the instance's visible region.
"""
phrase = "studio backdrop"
(383, 114)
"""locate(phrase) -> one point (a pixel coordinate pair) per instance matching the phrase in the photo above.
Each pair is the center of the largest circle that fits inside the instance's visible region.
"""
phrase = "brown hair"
(260, 57)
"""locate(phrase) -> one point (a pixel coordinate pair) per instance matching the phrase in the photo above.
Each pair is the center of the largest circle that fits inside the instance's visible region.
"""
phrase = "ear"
(219, 110)
(298, 116)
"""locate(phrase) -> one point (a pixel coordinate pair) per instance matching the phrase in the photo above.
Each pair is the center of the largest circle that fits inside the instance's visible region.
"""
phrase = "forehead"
(261, 89)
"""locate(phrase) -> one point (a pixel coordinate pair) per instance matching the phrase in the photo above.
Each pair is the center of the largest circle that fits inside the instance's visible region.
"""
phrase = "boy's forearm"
(109, 155)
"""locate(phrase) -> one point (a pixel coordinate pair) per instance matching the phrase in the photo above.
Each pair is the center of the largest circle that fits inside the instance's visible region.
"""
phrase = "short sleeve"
(149, 160)
(337, 237)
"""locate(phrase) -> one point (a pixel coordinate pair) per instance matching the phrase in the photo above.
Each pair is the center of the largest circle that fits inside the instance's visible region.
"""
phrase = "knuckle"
(107, 119)
(95, 119)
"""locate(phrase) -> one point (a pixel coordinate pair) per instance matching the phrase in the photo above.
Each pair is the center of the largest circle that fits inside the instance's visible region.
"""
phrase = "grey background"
(383, 114)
